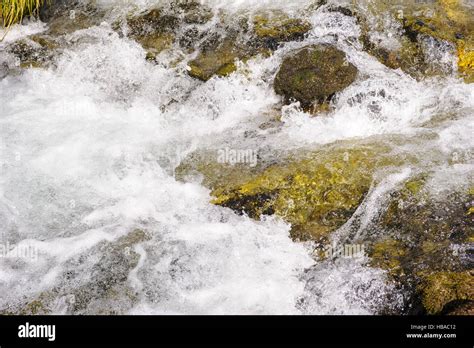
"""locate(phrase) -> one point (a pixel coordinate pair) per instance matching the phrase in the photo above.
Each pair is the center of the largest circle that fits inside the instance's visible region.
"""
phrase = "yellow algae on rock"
(317, 194)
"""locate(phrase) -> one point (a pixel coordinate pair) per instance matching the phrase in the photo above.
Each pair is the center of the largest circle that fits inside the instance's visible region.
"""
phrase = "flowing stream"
(88, 149)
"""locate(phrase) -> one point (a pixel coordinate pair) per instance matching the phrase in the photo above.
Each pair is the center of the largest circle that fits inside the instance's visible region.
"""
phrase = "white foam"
(88, 149)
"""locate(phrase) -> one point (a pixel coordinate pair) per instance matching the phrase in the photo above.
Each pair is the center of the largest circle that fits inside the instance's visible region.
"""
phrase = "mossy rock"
(387, 254)
(151, 22)
(154, 30)
(157, 29)
(54, 8)
(35, 51)
(219, 61)
(463, 307)
(217, 56)
(314, 74)
(441, 288)
(316, 194)
(417, 215)
(194, 12)
(72, 17)
(203, 166)
(445, 22)
(107, 282)
(452, 23)
(273, 28)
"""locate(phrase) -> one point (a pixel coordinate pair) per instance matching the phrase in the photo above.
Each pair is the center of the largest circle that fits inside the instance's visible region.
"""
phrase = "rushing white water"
(87, 153)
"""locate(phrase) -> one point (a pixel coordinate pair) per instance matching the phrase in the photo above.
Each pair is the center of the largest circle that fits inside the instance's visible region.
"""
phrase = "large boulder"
(317, 192)
(314, 74)
(425, 246)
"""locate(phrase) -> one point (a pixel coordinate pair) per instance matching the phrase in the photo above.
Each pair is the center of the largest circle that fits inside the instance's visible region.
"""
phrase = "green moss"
(440, 288)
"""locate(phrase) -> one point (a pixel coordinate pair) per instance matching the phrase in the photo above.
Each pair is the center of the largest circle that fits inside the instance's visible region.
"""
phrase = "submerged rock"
(218, 60)
(316, 194)
(35, 51)
(314, 74)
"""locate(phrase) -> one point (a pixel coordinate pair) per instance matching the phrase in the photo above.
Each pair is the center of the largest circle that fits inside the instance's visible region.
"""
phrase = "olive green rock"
(448, 24)
(314, 74)
(216, 61)
(317, 194)
(154, 30)
(441, 288)
(419, 246)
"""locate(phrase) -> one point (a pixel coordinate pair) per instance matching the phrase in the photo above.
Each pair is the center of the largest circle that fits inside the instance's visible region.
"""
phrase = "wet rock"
(425, 244)
(154, 30)
(387, 254)
(152, 22)
(4, 70)
(35, 51)
(54, 8)
(216, 61)
(194, 12)
(314, 74)
(97, 288)
(447, 25)
(465, 307)
(440, 289)
(241, 42)
(68, 17)
(157, 29)
(316, 194)
(272, 29)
